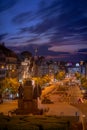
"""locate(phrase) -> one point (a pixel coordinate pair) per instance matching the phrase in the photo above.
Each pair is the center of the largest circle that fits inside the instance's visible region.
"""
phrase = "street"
(54, 109)
(7, 106)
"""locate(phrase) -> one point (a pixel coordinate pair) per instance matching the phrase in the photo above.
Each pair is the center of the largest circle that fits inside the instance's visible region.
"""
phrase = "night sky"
(58, 28)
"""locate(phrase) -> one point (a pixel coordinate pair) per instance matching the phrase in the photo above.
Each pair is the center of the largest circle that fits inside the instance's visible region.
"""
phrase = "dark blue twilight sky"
(58, 28)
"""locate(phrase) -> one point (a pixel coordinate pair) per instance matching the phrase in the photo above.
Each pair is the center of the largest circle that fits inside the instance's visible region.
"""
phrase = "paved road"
(62, 109)
(8, 105)
(58, 109)
(75, 94)
(54, 109)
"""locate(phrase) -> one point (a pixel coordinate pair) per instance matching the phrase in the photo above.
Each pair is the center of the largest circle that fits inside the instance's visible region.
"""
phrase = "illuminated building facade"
(8, 62)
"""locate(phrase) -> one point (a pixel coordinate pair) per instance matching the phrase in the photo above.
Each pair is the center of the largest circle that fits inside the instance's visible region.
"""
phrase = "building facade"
(8, 62)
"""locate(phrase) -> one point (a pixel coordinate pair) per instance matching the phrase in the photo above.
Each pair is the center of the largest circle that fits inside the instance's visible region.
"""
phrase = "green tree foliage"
(60, 75)
(9, 84)
(82, 78)
(84, 82)
(42, 80)
(78, 75)
(26, 54)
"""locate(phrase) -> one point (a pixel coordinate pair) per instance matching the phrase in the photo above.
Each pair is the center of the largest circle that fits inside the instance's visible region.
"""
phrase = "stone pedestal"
(27, 104)
(20, 104)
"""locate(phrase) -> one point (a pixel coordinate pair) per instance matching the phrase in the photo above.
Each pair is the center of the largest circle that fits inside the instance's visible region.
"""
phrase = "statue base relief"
(28, 101)
(27, 107)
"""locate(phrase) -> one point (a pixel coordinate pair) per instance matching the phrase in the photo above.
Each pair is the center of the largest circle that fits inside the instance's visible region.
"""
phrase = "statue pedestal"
(27, 104)
(27, 107)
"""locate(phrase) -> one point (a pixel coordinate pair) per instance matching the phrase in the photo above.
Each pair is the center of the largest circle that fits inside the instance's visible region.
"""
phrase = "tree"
(78, 75)
(48, 64)
(9, 84)
(84, 82)
(26, 54)
(41, 80)
(60, 75)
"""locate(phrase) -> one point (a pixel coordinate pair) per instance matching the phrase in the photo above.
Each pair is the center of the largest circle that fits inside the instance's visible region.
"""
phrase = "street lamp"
(2, 66)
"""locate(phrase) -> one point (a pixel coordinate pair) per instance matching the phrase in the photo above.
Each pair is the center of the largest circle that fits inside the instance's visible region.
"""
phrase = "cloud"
(3, 36)
(82, 51)
(16, 38)
(7, 4)
(22, 17)
(43, 27)
(33, 39)
(24, 30)
(61, 56)
(56, 27)
(69, 15)
(67, 48)
(49, 54)
(61, 21)
(35, 14)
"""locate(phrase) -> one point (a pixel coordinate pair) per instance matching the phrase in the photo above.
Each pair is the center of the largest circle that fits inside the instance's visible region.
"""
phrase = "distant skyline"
(58, 28)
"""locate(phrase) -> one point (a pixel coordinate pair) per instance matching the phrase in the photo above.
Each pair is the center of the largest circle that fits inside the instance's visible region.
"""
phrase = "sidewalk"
(61, 109)
(7, 106)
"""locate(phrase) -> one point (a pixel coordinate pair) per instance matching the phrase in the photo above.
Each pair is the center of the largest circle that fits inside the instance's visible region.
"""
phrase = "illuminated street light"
(2, 66)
